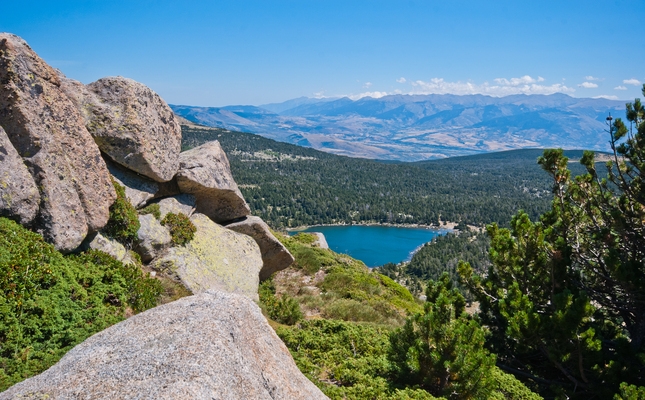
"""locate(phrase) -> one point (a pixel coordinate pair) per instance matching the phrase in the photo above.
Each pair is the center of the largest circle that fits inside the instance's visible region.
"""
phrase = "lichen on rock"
(217, 258)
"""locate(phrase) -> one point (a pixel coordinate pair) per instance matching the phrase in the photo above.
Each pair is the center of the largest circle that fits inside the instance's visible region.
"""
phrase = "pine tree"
(565, 296)
(442, 350)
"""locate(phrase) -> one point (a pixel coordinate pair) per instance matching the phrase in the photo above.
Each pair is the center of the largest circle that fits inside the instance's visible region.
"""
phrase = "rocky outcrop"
(19, 196)
(275, 256)
(181, 203)
(133, 126)
(109, 246)
(48, 132)
(153, 237)
(217, 258)
(138, 189)
(209, 346)
(205, 173)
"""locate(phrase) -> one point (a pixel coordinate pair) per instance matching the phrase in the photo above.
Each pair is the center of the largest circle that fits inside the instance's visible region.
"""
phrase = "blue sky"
(215, 53)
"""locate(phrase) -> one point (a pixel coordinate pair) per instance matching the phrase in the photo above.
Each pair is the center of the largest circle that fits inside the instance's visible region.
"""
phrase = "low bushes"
(181, 228)
(50, 302)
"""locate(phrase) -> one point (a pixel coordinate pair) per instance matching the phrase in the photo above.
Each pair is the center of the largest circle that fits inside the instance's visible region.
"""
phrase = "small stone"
(153, 237)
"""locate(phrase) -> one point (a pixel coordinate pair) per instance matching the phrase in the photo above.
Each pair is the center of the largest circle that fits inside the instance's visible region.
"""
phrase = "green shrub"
(285, 309)
(123, 224)
(153, 209)
(50, 302)
(181, 228)
(442, 350)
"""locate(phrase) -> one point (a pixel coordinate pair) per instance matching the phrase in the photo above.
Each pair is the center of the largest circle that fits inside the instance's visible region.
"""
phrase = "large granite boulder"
(132, 125)
(19, 197)
(48, 132)
(209, 346)
(205, 173)
(275, 256)
(217, 258)
(153, 237)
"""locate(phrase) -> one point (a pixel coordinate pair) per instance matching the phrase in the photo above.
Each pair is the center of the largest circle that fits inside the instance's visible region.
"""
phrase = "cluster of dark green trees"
(564, 298)
(292, 186)
(442, 255)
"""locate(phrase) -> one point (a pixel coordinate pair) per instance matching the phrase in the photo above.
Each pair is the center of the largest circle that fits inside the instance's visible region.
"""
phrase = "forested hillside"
(292, 186)
(441, 255)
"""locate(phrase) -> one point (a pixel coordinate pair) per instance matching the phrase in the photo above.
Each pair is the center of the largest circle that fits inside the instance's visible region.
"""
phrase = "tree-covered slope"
(291, 186)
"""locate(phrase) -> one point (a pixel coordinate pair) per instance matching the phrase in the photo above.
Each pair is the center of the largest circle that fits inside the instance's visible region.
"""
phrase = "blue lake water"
(376, 245)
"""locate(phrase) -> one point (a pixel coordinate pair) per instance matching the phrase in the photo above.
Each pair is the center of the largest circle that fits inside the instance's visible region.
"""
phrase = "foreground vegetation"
(50, 302)
(565, 295)
(356, 333)
(292, 186)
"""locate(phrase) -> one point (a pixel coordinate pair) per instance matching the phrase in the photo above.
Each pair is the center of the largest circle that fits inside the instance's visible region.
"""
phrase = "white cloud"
(632, 81)
(591, 78)
(620, 88)
(525, 80)
(319, 95)
(606, 96)
(401, 80)
(588, 85)
(500, 87)
(375, 95)
(367, 85)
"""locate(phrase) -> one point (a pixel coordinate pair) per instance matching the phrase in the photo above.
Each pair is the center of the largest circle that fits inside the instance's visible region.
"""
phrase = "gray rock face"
(275, 256)
(209, 346)
(138, 189)
(19, 197)
(48, 132)
(205, 173)
(133, 126)
(153, 237)
(217, 258)
(181, 203)
(109, 246)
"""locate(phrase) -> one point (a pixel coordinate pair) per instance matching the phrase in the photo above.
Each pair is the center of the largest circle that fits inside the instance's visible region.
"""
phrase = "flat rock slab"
(19, 197)
(48, 132)
(212, 345)
(205, 173)
(217, 258)
(275, 256)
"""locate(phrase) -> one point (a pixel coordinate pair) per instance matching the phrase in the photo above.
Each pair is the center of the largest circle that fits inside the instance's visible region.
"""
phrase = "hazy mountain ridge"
(418, 127)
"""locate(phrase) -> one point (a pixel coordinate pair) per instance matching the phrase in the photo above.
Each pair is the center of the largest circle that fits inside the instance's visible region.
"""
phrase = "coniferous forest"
(291, 186)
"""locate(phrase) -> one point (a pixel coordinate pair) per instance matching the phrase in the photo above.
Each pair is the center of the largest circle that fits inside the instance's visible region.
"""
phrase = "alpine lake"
(376, 245)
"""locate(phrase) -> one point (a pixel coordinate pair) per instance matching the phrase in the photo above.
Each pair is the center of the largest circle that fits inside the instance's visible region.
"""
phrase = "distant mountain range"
(420, 127)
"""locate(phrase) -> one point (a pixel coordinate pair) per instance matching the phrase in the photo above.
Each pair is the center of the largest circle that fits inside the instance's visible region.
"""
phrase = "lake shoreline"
(450, 226)
(376, 244)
